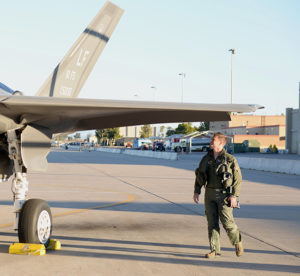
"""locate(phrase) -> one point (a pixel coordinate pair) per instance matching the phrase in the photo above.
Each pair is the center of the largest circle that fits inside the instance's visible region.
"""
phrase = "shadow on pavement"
(4, 247)
(197, 261)
(151, 254)
(163, 255)
(270, 212)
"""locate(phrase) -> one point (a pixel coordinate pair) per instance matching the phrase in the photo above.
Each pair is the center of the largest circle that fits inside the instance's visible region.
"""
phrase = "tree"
(204, 126)
(146, 131)
(161, 130)
(108, 134)
(184, 128)
(100, 134)
(170, 131)
(61, 137)
(113, 134)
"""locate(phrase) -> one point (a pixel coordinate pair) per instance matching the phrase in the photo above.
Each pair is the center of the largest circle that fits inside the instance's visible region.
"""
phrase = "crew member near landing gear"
(220, 175)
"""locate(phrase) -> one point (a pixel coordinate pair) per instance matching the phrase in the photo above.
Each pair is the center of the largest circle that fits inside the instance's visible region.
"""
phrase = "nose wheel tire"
(35, 222)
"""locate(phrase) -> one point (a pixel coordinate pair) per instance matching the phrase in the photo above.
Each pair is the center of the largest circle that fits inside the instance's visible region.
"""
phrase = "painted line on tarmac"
(130, 198)
(144, 190)
(6, 225)
(198, 213)
(192, 211)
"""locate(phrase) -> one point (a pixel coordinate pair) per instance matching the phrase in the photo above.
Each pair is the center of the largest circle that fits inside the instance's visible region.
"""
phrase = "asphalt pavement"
(126, 215)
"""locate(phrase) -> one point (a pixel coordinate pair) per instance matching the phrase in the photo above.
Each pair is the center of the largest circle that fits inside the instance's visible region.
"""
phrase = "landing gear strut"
(33, 219)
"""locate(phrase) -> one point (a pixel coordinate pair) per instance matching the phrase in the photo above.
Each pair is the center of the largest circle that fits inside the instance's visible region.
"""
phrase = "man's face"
(217, 144)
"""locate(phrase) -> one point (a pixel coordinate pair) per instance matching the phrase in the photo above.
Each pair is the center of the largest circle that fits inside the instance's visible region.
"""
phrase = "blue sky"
(155, 41)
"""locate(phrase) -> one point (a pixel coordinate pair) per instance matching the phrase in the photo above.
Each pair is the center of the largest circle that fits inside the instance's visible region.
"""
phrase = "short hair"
(221, 136)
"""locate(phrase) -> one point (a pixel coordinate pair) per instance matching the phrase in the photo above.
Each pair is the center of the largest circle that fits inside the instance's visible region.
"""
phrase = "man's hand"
(196, 198)
(233, 202)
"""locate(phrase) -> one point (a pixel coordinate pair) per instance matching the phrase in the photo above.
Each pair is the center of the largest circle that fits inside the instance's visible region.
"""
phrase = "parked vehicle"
(74, 146)
(159, 146)
(200, 144)
(196, 144)
(139, 143)
(175, 143)
(129, 145)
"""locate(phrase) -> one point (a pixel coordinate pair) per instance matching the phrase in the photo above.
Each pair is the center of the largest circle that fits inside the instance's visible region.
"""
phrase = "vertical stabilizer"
(70, 74)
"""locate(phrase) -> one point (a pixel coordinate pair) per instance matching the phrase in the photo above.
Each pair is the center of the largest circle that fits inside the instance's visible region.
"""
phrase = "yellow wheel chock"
(54, 245)
(33, 249)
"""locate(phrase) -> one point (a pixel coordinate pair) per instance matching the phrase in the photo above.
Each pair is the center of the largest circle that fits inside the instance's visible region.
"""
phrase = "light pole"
(232, 53)
(154, 89)
(182, 77)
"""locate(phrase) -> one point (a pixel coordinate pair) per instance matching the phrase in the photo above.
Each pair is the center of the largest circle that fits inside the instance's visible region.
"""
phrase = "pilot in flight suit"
(221, 176)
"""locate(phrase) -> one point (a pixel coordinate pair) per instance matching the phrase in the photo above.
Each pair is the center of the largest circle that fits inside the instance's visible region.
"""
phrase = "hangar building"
(293, 129)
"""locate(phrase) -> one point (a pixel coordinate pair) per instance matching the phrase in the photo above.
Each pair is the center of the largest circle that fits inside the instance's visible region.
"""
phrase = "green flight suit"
(209, 174)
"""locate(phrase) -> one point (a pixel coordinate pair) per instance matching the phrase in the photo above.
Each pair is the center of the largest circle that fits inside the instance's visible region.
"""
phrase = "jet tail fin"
(71, 73)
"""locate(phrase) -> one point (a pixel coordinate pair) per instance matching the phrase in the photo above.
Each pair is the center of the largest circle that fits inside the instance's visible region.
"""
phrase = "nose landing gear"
(33, 219)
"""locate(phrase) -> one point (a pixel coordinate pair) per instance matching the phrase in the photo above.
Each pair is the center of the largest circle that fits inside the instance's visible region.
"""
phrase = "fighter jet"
(27, 123)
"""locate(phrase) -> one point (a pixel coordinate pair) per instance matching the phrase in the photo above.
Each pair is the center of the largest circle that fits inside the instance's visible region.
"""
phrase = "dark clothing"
(210, 170)
(215, 209)
(210, 174)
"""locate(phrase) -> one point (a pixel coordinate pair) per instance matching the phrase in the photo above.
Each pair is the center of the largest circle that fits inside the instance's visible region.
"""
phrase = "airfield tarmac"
(127, 215)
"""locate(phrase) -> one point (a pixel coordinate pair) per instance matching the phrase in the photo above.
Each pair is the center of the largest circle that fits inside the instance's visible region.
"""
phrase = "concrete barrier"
(270, 165)
(109, 150)
(153, 154)
(143, 153)
(261, 164)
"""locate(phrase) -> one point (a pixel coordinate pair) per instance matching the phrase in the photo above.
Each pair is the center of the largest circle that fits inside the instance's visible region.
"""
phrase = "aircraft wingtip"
(256, 106)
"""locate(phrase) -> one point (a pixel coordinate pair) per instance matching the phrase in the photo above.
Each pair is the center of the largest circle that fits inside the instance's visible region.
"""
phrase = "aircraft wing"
(75, 114)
